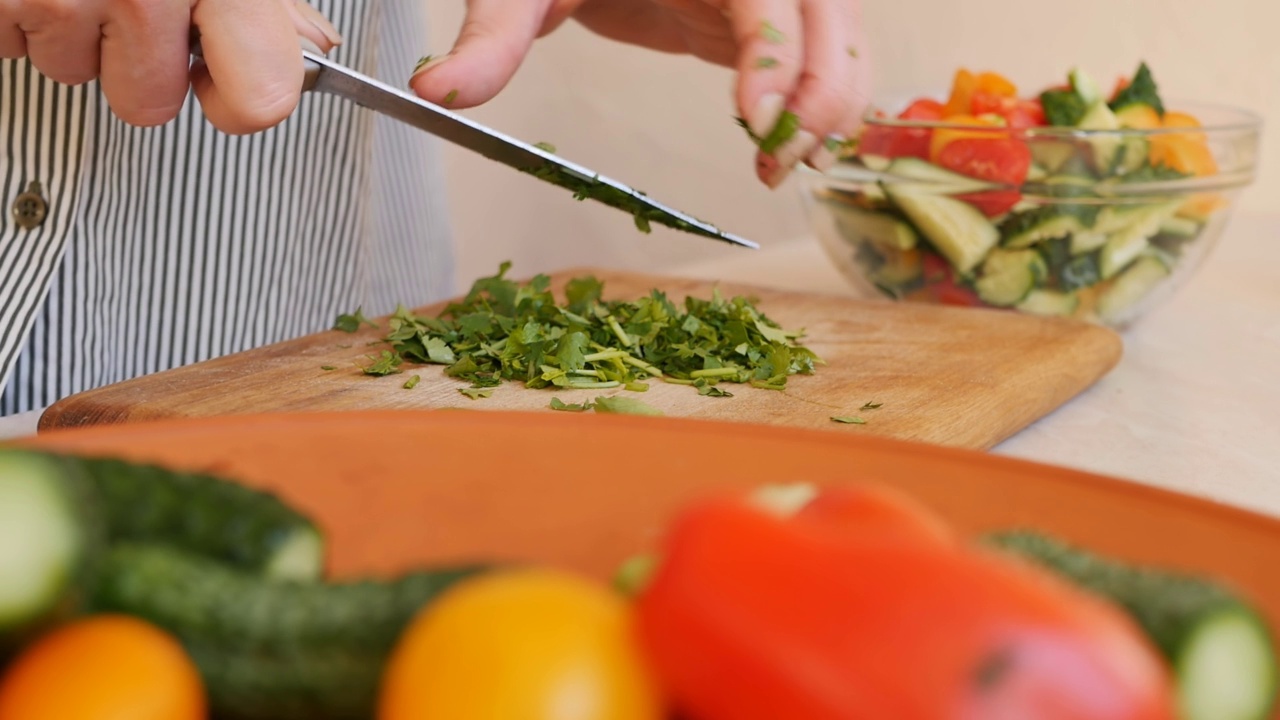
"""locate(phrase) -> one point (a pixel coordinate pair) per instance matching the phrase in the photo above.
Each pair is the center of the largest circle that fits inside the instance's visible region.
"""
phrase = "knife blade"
(325, 76)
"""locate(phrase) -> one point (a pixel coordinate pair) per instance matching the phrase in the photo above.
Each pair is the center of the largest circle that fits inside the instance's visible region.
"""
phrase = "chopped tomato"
(984, 126)
(940, 284)
(1000, 160)
(902, 142)
(1017, 113)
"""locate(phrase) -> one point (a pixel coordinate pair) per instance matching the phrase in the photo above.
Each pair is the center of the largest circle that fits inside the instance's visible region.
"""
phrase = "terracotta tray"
(399, 488)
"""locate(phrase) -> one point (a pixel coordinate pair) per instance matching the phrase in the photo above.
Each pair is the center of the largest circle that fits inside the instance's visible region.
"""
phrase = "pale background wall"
(663, 123)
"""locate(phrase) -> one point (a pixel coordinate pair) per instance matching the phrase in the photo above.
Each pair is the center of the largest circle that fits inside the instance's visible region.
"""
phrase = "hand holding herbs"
(503, 330)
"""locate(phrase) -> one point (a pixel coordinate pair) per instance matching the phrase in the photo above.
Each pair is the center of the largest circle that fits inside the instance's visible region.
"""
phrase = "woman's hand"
(794, 55)
(140, 50)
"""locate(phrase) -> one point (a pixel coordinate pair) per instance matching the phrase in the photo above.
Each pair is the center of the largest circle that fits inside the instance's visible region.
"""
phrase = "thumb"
(495, 37)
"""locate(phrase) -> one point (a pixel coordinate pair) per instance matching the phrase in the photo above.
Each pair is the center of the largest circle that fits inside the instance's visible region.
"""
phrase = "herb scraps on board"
(412, 382)
(351, 322)
(614, 405)
(848, 420)
(504, 330)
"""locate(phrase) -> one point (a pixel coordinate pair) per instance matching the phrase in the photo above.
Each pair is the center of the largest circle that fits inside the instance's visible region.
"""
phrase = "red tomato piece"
(999, 160)
(902, 142)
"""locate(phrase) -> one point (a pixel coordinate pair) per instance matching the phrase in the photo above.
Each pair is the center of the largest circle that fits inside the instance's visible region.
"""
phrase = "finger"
(251, 76)
(13, 43)
(145, 55)
(768, 36)
(494, 40)
(312, 25)
(62, 43)
(832, 95)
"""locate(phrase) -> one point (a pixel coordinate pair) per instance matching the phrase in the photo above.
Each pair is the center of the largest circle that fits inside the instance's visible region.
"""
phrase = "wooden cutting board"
(950, 376)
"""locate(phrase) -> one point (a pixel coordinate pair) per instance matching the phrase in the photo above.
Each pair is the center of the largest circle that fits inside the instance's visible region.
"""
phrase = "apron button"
(30, 209)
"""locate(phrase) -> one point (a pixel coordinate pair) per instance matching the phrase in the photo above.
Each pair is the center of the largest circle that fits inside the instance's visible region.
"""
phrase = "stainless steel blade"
(324, 75)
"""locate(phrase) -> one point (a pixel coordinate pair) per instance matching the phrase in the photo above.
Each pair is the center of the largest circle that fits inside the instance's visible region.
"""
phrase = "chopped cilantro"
(545, 146)
(422, 62)
(787, 126)
(412, 382)
(476, 393)
(771, 34)
(624, 406)
(558, 404)
(849, 420)
(351, 322)
(503, 330)
(328, 367)
(873, 406)
(766, 62)
(386, 364)
(453, 95)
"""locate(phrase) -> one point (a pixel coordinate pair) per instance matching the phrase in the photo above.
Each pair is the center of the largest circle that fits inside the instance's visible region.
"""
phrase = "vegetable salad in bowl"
(1078, 201)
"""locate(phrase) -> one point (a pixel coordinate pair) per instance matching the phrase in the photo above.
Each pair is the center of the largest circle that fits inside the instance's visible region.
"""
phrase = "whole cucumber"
(271, 649)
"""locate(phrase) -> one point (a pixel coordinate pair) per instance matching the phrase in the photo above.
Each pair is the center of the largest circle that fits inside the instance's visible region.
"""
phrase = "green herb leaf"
(545, 146)
(713, 391)
(476, 393)
(453, 95)
(558, 404)
(771, 34)
(386, 364)
(873, 406)
(625, 406)
(787, 126)
(351, 322)
(412, 382)
(765, 63)
(849, 420)
(422, 62)
(328, 367)
(1141, 90)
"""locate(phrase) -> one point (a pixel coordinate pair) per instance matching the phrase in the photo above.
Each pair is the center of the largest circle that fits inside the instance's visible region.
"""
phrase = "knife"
(325, 76)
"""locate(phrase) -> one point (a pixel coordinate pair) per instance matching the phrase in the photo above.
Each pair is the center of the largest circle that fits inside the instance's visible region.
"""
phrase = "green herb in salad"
(1062, 107)
(1141, 90)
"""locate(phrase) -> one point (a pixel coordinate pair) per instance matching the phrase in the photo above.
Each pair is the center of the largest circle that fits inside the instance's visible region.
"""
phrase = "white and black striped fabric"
(170, 245)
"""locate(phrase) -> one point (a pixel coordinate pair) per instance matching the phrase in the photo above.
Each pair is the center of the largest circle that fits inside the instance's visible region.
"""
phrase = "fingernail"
(320, 22)
(309, 46)
(765, 114)
(426, 64)
(800, 145)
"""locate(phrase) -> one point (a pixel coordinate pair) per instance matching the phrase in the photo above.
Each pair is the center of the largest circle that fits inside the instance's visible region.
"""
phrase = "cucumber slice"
(1222, 652)
(1149, 218)
(878, 228)
(1051, 154)
(899, 269)
(1085, 86)
(1046, 223)
(1131, 286)
(50, 531)
(1131, 156)
(1106, 146)
(1121, 249)
(1086, 242)
(930, 178)
(875, 163)
(1009, 275)
(1049, 302)
(958, 231)
(1179, 227)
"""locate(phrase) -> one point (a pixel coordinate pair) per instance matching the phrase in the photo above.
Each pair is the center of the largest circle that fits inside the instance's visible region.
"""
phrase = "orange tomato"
(104, 667)
(525, 644)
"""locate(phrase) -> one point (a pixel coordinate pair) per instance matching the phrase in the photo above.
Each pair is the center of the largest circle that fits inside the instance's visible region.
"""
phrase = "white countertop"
(1193, 406)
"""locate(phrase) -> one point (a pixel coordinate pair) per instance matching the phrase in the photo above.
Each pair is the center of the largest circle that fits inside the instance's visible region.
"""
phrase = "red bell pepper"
(756, 614)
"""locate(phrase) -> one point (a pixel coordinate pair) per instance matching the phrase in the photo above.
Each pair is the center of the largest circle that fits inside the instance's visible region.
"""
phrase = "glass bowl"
(1103, 225)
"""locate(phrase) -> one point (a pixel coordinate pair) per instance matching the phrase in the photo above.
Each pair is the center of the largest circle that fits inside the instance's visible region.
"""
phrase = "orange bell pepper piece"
(962, 87)
(944, 135)
(996, 84)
